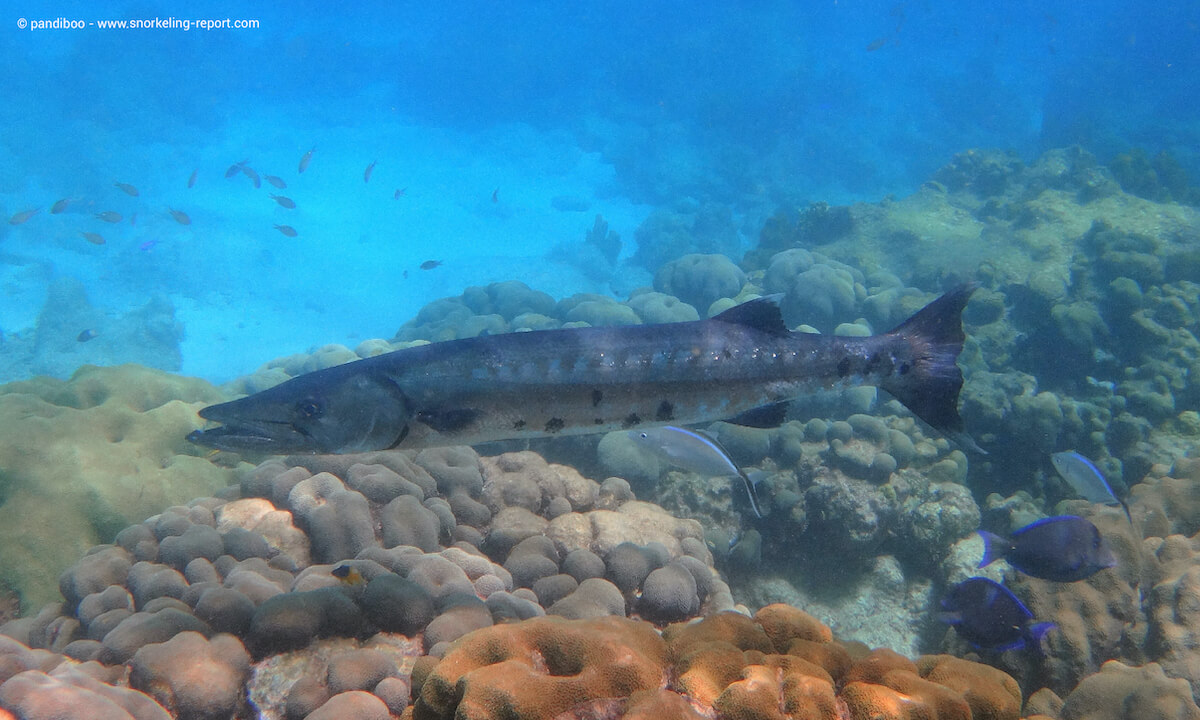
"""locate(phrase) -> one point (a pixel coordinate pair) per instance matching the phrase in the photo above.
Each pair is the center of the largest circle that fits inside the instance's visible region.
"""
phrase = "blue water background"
(619, 107)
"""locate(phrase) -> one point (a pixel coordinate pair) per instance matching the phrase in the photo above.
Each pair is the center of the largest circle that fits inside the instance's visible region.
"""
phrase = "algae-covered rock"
(81, 459)
(700, 280)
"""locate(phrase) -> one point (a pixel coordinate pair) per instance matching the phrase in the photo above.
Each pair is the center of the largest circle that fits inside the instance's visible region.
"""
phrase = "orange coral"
(876, 664)
(541, 668)
(724, 666)
(991, 693)
(784, 623)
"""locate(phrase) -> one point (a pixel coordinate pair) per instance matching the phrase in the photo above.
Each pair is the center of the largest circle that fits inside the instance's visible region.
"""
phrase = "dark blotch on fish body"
(304, 161)
(1065, 548)
(180, 217)
(665, 412)
(368, 171)
(631, 420)
(287, 230)
(109, 216)
(284, 201)
(93, 238)
(597, 396)
(276, 181)
(22, 217)
(430, 264)
(519, 424)
(554, 425)
(192, 179)
(127, 189)
(59, 206)
(86, 335)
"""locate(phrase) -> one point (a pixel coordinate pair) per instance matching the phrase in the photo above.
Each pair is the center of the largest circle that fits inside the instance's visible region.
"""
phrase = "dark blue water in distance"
(615, 108)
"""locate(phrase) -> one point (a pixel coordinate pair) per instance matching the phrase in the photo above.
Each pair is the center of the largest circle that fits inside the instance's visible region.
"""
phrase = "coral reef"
(82, 458)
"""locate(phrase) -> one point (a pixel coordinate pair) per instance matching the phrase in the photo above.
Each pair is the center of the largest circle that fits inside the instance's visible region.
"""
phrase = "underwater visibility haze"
(532, 360)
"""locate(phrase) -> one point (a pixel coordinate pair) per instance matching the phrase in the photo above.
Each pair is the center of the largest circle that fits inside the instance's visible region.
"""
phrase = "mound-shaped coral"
(82, 458)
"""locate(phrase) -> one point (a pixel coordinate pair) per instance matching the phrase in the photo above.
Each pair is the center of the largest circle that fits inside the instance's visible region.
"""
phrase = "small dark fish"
(985, 614)
(430, 264)
(127, 189)
(86, 335)
(304, 161)
(348, 574)
(192, 179)
(276, 181)
(133, 219)
(287, 230)
(249, 172)
(59, 206)
(180, 216)
(367, 172)
(109, 216)
(404, 274)
(148, 245)
(284, 201)
(233, 171)
(1065, 548)
(93, 238)
(496, 195)
(876, 44)
(22, 216)
(399, 193)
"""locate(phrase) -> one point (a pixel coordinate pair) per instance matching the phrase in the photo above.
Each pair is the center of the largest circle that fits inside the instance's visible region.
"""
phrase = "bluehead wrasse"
(695, 451)
(578, 381)
(1086, 479)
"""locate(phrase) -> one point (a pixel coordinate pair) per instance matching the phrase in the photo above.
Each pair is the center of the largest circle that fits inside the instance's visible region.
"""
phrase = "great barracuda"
(589, 380)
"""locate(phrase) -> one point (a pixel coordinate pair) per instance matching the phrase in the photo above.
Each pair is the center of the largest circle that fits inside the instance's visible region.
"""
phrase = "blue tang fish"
(985, 614)
(694, 451)
(1065, 548)
(1086, 479)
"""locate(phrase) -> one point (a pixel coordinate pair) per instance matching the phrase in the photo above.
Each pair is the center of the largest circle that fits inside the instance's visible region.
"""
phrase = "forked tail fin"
(930, 388)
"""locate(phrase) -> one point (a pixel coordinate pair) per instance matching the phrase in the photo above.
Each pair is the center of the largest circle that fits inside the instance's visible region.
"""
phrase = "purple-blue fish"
(987, 615)
(1064, 548)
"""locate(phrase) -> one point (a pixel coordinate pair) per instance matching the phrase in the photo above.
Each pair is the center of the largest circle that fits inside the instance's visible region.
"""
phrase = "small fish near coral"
(287, 230)
(86, 335)
(986, 614)
(430, 264)
(1065, 548)
(127, 189)
(694, 451)
(1086, 479)
(284, 202)
(575, 381)
(348, 574)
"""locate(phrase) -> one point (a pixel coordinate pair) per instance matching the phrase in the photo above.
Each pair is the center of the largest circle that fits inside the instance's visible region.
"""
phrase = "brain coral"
(726, 665)
(81, 459)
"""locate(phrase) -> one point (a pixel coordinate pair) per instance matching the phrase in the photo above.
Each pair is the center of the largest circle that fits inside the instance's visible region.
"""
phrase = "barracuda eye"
(309, 408)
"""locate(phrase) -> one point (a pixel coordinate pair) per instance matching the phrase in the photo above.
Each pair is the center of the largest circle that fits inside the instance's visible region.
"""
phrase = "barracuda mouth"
(270, 437)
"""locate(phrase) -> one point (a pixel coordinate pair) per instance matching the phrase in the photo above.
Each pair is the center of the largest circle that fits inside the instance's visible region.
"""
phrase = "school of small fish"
(241, 168)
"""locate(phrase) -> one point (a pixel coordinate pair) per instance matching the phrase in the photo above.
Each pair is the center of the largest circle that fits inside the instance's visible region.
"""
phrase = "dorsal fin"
(760, 313)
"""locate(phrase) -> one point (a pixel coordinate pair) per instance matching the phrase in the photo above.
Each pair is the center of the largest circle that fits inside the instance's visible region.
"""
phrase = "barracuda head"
(338, 410)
